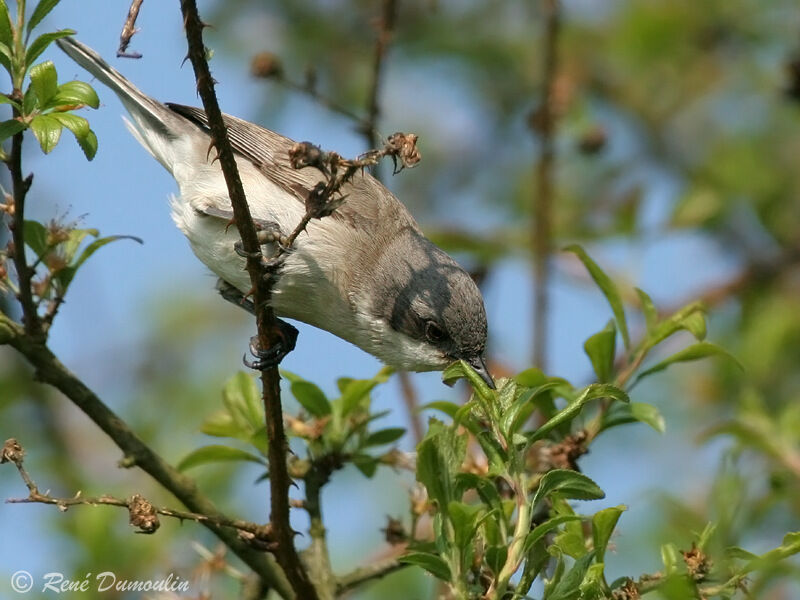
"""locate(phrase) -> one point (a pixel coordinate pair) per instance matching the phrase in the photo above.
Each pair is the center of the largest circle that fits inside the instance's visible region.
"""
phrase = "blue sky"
(124, 191)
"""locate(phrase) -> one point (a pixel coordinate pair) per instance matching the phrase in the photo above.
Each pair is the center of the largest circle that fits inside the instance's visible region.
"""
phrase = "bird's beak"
(479, 365)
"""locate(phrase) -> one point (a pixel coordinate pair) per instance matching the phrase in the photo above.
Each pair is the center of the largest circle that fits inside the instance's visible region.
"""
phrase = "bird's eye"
(433, 332)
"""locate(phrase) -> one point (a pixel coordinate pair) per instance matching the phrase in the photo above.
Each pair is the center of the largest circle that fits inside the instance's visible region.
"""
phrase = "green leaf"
(737, 553)
(608, 288)
(571, 541)
(461, 370)
(79, 126)
(568, 588)
(593, 585)
(66, 275)
(691, 317)
(214, 454)
(366, 464)
(6, 26)
(705, 536)
(311, 398)
(569, 484)
(789, 547)
(47, 130)
(36, 237)
(601, 349)
(603, 524)
(41, 43)
(30, 101)
(448, 408)
(357, 390)
(515, 415)
(76, 93)
(432, 563)
(693, 352)
(222, 424)
(439, 458)
(385, 436)
(648, 310)
(671, 558)
(620, 414)
(569, 412)
(464, 518)
(496, 557)
(543, 529)
(531, 378)
(5, 53)
(9, 128)
(243, 401)
(40, 12)
(44, 81)
(73, 242)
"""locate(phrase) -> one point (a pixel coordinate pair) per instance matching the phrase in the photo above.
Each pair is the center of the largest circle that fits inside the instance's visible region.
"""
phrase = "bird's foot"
(267, 232)
(234, 296)
(272, 356)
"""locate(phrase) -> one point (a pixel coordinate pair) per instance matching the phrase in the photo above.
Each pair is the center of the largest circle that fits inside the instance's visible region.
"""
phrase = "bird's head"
(426, 311)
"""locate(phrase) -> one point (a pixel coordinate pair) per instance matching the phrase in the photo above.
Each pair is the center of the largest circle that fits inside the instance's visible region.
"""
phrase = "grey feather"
(366, 273)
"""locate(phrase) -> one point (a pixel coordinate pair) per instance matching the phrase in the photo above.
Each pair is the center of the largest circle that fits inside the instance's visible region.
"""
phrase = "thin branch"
(544, 125)
(330, 104)
(385, 33)
(13, 452)
(129, 30)
(319, 559)
(49, 370)
(268, 331)
(365, 574)
(20, 186)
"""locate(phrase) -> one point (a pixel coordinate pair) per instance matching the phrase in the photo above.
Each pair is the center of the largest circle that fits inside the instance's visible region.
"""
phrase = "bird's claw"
(272, 356)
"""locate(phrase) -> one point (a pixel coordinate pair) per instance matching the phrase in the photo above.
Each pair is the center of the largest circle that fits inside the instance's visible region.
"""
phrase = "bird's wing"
(367, 199)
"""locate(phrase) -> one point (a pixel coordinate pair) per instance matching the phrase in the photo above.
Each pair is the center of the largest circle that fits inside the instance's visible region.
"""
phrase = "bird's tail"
(155, 126)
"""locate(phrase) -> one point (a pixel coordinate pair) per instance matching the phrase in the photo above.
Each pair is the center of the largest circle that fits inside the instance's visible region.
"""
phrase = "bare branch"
(543, 123)
(384, 38)
(142, 512)
(362, 575)
(129, 30)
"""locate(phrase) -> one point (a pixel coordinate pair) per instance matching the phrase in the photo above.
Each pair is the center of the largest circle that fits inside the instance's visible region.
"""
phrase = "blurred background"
(668, 143)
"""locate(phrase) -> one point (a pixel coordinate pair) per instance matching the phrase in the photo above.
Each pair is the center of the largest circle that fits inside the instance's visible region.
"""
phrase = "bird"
(366, 273)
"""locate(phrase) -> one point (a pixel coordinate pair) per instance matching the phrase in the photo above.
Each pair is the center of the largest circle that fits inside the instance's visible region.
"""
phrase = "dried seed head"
(593, 140)
(143, 515)
(628, 591)
(12, 452)
(394, 532)
(266, 65)
(698, 564)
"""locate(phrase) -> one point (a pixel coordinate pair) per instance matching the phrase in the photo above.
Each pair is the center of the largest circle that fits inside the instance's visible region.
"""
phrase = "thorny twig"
(129, 30)
(20, 186)
(268, 331)
(326, 197)
(143, 514)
